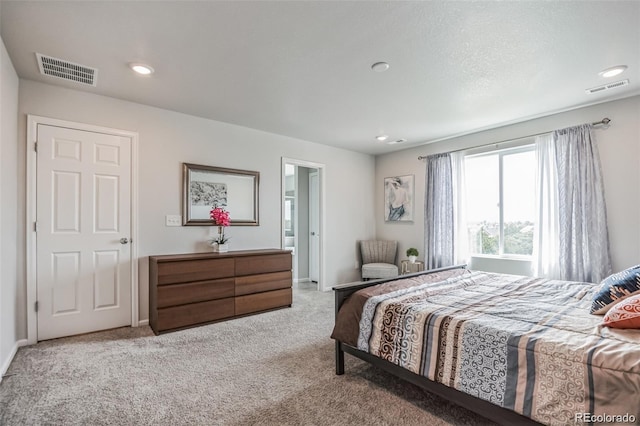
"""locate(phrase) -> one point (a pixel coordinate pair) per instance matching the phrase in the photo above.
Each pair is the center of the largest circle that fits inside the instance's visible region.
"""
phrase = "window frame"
(528, 146)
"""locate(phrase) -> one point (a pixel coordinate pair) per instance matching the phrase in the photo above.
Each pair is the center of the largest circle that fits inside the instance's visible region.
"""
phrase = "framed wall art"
(398, 198)
(205, 187)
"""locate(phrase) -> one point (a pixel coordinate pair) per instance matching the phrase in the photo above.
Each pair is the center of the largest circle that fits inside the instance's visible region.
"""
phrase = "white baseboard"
(143, 323)
(9, 360)
(302, 280)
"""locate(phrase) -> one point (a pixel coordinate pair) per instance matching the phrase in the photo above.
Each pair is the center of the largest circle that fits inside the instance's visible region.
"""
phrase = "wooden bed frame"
(480, 406)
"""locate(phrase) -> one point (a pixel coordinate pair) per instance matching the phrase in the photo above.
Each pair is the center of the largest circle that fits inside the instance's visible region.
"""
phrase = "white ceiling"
(302, 68)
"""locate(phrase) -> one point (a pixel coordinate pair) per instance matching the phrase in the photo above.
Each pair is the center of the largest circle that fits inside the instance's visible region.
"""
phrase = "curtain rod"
(604, 121)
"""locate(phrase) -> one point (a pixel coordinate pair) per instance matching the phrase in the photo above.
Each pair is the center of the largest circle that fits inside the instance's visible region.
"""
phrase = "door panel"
(107, 270)
(106, 200)
(65, 202)
(65, 272)
(83, 189)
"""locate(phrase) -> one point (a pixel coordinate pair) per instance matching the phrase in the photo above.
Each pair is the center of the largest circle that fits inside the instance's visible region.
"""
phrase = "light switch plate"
(173, 220)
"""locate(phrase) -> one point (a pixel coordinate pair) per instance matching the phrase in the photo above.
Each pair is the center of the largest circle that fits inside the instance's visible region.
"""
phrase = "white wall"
(8, 208)
(167, 139)
(619, 148)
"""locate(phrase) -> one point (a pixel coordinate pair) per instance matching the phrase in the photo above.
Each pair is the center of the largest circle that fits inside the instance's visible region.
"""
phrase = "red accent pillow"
(624, 314)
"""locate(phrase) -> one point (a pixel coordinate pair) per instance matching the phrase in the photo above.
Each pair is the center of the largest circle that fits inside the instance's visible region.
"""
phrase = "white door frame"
(30, 253)
(321, 210)
(316, 213)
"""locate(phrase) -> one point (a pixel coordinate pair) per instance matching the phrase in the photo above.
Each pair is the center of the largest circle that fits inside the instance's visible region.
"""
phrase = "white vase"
(220, 248)
(412, 259)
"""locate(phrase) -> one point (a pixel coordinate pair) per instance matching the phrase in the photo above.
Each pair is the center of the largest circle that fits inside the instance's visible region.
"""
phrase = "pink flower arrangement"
(220, 217)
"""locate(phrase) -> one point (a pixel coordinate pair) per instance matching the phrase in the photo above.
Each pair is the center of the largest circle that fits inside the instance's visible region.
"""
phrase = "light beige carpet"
(275, 368)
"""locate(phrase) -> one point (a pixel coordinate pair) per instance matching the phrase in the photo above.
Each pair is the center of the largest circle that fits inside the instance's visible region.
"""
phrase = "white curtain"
(438, 212)
(546, 240)
(571, 239)
(460, 232)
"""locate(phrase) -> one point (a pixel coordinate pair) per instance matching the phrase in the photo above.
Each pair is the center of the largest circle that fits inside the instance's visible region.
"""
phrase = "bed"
(517, 350)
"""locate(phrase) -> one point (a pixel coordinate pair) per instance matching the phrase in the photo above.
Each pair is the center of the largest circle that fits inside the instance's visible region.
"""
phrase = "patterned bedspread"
(526, 344)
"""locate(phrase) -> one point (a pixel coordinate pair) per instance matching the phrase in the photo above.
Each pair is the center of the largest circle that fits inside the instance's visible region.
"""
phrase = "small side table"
(406, 267)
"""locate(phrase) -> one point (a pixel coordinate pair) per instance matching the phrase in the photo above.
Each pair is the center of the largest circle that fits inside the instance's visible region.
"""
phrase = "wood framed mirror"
(205, 187)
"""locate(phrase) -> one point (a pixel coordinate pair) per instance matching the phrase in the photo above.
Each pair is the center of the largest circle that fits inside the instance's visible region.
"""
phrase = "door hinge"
(36, 306)
(35, 226)
(35, 146)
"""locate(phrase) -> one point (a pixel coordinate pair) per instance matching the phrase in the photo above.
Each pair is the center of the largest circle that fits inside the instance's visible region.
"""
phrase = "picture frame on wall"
(399, 198)
(206, 187)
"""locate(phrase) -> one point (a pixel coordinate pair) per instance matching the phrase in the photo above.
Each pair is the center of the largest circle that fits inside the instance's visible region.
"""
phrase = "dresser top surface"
(211, 255)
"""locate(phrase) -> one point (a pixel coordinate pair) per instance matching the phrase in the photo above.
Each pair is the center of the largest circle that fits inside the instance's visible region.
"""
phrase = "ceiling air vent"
(66, 70)
(607, 87)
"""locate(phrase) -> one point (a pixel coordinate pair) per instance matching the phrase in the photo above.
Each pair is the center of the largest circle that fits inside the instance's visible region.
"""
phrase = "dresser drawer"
(263, 282)
(263, 301)
(195, 270)
(251, 265)
(199, 291)
(194, 313)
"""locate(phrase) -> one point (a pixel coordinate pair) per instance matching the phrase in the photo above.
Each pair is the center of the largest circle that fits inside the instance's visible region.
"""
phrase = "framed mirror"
(205, 187)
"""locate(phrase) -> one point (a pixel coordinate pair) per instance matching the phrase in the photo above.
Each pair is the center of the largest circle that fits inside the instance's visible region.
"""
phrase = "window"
(500, 203)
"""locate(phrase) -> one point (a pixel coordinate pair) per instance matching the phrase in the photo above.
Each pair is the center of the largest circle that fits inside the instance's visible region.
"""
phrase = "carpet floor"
(275, 368)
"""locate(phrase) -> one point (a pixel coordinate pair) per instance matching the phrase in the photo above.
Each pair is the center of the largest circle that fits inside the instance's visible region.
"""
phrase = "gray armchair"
(379, 259)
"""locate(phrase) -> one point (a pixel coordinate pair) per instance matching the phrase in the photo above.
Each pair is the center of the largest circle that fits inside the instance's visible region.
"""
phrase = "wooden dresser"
(187, 290)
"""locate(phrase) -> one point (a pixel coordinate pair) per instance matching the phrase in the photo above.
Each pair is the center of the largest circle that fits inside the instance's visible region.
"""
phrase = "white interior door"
(83, 253)
(314, 233)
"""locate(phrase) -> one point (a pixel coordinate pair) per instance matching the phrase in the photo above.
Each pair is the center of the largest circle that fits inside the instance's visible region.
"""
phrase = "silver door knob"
(124, 240)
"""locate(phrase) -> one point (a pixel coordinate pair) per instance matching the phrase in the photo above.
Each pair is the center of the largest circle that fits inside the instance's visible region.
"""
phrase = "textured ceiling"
(302, 69)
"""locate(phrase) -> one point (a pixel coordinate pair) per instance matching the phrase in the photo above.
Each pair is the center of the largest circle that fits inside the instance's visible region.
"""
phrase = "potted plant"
(412, 254)
(220, 217)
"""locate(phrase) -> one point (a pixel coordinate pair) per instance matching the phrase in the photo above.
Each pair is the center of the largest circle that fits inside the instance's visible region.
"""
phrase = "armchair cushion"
(379, 270)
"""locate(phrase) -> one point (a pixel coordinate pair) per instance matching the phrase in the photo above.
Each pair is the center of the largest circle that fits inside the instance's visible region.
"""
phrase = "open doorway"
(302, 218)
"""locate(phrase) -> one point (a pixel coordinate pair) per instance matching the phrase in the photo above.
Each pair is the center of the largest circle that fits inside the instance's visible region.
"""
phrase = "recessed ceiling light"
(141, 68)
(380, 66)
(613, 71)
(396, 141)
(382, 138)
